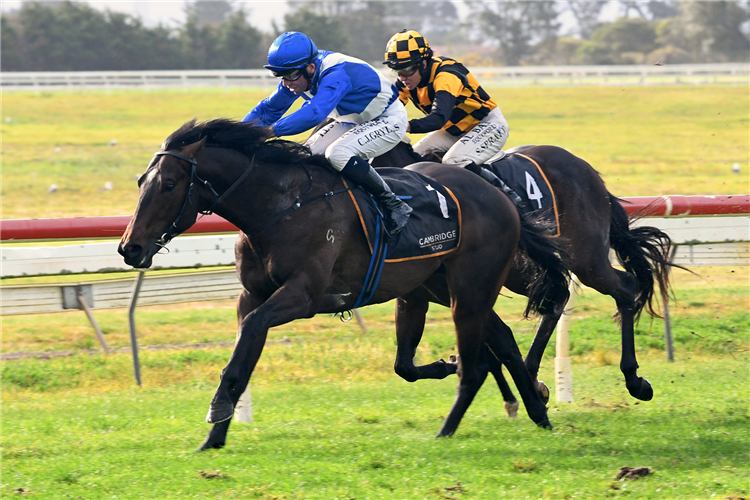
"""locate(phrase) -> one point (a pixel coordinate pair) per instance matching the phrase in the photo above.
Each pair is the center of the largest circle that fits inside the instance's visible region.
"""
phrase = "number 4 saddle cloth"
(524, 176)
(434, 227)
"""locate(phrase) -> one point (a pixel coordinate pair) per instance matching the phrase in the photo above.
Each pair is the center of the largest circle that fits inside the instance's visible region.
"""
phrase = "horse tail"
(540, 259)
(643, 252)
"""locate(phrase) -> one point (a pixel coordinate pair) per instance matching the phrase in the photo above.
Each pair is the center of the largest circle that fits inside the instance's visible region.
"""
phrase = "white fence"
(725, 73)
(699, 241)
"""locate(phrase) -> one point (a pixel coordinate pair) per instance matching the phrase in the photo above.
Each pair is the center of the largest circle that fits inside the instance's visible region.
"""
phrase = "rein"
(172, 231)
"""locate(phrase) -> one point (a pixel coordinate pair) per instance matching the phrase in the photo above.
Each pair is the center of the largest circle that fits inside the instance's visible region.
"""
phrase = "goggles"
(407, 71)
(289, 76)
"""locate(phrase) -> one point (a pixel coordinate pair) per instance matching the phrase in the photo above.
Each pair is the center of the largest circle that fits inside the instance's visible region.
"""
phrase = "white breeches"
(339, 141)
(479, 144)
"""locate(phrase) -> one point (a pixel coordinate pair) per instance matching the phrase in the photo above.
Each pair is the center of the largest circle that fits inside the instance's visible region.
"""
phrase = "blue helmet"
(291, 50)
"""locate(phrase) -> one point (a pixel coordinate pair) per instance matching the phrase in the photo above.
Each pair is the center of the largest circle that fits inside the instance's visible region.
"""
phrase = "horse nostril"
(131, 251)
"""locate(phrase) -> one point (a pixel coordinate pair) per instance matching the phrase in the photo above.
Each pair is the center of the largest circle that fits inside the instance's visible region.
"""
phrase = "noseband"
(172, 231)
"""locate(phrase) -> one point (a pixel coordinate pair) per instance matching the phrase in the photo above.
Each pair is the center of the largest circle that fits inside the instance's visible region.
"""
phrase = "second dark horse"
(592, 220)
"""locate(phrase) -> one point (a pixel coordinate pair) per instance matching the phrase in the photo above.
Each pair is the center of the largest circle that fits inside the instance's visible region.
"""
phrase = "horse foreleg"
(290, 302)
(410, 319)
(490, 363)
(500, 340)
(469, 323)
(217, 436)
(536, 351)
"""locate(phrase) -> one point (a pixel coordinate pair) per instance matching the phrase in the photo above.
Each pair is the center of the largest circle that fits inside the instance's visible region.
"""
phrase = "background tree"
(586, 14)
(327, 32)
(435, 20)
(241, 45)
(355, 28)
(650, 11)
(72, 36)
(626, 40)
(209, 12)
(200, 44)
(12, 58)
(516, 27)
(712, 30)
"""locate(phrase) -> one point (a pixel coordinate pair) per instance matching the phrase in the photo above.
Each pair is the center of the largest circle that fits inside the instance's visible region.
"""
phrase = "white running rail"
(515, 76)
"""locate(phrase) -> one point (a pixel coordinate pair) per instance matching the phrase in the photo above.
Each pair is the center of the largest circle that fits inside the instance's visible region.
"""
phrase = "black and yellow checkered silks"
(472, 102)
(405, 48)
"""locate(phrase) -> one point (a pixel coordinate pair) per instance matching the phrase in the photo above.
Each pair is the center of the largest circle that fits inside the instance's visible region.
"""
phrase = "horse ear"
(192, 149)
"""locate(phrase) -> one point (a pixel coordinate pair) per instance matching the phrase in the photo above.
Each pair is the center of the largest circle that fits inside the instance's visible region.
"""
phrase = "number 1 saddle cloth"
(524, 176)
(434, 227)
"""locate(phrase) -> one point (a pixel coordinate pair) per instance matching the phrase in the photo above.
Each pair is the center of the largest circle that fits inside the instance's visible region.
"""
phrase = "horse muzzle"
(134, 255)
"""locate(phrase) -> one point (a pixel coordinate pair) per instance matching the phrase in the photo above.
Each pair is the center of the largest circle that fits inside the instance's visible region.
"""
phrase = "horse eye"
(168, 187)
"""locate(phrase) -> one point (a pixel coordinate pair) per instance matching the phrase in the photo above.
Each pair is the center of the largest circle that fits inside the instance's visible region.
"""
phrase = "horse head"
(167, 204)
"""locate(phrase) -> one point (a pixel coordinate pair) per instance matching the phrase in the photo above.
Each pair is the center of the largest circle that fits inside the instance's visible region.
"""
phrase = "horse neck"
(266, 190)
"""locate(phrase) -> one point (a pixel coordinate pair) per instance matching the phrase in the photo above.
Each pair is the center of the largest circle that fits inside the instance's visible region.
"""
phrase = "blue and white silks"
(344, 88)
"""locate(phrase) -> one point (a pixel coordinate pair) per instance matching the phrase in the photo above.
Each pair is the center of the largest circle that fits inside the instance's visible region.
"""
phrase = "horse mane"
(244, 137)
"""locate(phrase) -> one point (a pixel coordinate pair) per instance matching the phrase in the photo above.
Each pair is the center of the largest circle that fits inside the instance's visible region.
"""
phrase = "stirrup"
(396, 218)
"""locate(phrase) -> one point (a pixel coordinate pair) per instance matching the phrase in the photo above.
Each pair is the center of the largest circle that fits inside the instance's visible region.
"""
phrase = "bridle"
(297, 204)
(173, 231)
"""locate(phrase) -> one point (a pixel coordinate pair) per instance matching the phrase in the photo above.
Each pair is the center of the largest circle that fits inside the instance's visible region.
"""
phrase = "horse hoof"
(511, 408)
(644, 391)
(208, 445)
(451, 366)
(219, 413)
(545, 424)
(543, 391)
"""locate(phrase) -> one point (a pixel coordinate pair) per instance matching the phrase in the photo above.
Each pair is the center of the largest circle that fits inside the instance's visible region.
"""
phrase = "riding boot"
(488, 175)
(397, 212)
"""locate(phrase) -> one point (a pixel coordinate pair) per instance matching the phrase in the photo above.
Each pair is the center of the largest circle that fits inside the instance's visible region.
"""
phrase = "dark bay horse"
(592, 221)
(302, 251)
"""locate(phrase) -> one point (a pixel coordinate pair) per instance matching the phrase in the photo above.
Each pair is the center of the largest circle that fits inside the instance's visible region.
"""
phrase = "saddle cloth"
(524, 176)
(434, 227)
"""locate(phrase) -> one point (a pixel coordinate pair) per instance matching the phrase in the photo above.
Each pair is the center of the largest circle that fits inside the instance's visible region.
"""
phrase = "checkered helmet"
(405, 48)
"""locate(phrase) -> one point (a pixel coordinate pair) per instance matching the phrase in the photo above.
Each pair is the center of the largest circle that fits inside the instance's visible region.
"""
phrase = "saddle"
(524, 176)
(434, 227)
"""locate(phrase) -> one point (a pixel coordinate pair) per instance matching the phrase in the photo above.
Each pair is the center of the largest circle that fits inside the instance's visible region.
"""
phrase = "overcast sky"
(171, 12)
(262, 12)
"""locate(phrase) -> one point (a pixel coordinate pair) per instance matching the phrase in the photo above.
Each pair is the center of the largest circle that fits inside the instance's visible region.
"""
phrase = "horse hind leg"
(637, 386)
(410, 320)
(622, 286)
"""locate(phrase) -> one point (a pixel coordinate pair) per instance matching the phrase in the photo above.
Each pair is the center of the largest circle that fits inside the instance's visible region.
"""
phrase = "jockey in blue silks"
(368, 118)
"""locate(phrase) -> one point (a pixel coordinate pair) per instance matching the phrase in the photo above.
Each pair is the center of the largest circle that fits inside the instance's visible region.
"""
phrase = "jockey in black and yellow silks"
(463, 122)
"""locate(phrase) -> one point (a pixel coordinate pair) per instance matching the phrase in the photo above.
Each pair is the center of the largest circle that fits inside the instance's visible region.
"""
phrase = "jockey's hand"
(408, 128)
(271, 133)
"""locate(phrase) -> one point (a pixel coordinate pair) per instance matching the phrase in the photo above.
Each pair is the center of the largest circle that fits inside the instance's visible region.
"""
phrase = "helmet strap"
(309, 76)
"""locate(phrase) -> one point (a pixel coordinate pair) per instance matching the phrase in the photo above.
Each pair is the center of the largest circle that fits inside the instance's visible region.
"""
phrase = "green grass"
(332, 420)
(354, 438)
(643, 140)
